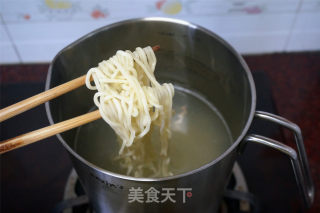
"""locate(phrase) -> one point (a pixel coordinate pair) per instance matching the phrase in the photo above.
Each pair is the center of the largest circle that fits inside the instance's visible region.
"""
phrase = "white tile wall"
(40, 28)
(306, 32)
(7, 52)
(251, 34)
(40, 42)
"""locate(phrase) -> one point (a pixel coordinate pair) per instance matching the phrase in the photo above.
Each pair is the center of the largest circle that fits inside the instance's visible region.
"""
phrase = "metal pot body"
(108, 193)
(191, 57)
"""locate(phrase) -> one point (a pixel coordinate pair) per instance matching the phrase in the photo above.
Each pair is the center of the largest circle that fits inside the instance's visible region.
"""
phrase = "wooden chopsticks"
(40, 98)
(48, 131)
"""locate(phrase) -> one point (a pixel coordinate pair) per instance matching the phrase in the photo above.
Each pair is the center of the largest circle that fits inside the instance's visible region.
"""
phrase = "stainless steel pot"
(190, 56)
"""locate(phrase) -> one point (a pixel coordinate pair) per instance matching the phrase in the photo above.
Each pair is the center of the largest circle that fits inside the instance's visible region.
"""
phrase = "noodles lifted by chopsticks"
(133, 103)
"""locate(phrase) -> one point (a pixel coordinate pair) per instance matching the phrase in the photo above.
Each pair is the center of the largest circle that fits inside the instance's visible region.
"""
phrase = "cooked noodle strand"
(133, 102)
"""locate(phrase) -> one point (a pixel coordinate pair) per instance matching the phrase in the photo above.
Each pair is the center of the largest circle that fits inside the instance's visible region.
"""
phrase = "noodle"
(133, 103)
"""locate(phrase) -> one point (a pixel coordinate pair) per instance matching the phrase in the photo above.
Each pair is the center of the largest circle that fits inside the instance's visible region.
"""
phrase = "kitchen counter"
(35, 175)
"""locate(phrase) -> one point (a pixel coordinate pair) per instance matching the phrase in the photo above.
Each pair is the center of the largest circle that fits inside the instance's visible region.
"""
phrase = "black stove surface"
(33, 178)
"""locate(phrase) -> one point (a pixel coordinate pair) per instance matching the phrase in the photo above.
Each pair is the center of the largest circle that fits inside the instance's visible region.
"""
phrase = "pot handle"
(299, 161)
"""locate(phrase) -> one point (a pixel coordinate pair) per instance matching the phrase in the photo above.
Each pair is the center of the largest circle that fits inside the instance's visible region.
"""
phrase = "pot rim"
(171, 20)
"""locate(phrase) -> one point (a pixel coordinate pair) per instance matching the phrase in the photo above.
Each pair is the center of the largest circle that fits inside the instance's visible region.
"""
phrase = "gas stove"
(237, 197)
(40, 176)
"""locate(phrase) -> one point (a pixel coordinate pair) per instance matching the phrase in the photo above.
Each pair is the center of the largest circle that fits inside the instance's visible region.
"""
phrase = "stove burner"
(237, 198)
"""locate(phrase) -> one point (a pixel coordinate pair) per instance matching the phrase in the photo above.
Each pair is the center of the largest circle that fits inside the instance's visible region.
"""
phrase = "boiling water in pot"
(199, 135)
